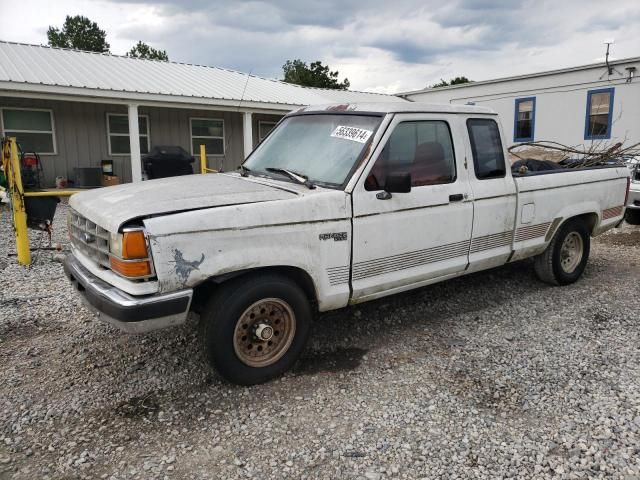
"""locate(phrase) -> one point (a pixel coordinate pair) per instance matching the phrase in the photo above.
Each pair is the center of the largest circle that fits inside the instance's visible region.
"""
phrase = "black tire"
(220, 326)
(549, 266)
(632, 216)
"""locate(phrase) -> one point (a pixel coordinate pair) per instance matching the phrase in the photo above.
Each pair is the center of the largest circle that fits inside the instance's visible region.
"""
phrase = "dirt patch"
(137, 407)
(484, 390)
(339, 360)
(630, 239)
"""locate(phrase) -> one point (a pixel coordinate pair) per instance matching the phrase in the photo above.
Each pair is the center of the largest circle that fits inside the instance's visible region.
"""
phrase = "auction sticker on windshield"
(352, 133)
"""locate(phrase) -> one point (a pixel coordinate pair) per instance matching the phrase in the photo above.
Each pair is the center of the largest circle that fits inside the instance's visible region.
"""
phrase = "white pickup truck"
(632, 214)
(339, 205)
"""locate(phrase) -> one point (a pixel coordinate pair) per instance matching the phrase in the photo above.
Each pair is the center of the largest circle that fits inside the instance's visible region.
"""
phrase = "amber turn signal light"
(131, 269)
(134, 245)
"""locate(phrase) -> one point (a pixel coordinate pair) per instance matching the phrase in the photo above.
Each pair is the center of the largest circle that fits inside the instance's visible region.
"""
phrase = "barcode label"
(352, 133)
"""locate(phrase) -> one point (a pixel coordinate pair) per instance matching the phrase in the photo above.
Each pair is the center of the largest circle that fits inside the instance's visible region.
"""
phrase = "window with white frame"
(208, 132)
(118, 133)
(33, 129)
(264, 128)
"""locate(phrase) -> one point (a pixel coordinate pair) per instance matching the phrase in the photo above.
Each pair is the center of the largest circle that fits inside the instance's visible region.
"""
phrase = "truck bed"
(545, 199)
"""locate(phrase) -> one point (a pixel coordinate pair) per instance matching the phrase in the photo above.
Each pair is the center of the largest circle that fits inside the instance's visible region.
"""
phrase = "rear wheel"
(632, 216)
(566, 257)
(255, 328)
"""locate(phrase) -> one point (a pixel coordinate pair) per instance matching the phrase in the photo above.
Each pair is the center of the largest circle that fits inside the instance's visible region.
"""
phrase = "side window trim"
(587, 119)
(516, 119)
(142, 134)
(5, 131)
(474, 152)
(446, 123)
(204, 138)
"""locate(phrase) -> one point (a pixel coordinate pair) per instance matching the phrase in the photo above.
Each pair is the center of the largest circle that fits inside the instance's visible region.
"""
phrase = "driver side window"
(422, 148)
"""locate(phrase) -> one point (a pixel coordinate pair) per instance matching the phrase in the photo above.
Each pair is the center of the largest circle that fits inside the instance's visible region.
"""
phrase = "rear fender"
(589, 210)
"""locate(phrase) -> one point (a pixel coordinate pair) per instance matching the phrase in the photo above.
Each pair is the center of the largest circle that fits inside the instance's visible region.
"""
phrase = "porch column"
(134, 144)
(247, 133)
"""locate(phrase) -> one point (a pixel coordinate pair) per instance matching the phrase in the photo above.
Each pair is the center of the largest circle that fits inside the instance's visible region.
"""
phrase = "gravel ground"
(494, 375)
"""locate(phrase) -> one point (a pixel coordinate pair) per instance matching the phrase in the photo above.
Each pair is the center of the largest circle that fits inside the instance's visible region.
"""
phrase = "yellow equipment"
(11, 166)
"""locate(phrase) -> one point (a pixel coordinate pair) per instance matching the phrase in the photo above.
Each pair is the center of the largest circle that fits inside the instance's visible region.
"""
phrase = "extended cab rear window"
(486, 147)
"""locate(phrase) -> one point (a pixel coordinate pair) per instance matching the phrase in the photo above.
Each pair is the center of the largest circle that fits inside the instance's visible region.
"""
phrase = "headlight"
(115, 244)
(129, 254)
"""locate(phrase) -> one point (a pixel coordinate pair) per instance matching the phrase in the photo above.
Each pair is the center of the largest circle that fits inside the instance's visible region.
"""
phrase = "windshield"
(323, 148)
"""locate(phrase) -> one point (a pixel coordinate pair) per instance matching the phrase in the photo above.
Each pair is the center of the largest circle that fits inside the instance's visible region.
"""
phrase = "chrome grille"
(89, 238)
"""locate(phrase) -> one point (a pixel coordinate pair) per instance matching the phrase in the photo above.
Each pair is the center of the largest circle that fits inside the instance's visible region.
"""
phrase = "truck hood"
(111, 207)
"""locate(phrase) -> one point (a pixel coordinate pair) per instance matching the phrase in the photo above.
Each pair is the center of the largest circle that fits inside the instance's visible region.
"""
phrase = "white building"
(573, 106)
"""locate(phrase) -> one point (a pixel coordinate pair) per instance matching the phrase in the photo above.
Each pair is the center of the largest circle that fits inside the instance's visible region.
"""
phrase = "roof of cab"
(408, 107)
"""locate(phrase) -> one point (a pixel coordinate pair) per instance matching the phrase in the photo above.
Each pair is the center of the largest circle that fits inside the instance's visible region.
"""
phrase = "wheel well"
(590, 220)
(204, 290)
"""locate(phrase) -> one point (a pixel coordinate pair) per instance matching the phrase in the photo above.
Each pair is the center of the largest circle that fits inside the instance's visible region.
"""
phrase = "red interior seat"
(430, 165)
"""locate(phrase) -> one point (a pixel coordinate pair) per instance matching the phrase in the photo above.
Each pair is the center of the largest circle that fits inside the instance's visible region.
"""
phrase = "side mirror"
(397, 182)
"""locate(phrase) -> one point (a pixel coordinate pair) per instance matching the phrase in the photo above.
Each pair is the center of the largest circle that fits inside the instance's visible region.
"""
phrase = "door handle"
(458, 197)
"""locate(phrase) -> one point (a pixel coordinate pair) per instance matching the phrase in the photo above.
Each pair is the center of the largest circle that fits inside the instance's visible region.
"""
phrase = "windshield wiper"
(295, 176)
(244, 171)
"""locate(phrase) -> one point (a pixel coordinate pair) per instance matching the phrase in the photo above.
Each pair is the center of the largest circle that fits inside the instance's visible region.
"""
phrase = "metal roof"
(398, 107)
(525, 76)
(42, 69)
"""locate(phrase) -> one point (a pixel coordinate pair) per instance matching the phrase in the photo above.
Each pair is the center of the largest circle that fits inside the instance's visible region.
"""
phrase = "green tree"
(142, 50)
(313, 75)
(80, 33)
(453, 81)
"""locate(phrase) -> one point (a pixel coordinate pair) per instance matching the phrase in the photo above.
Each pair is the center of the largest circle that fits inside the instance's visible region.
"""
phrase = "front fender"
(186, 260)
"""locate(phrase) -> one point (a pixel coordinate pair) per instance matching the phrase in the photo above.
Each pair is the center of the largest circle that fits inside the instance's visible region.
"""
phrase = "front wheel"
(566, 257)
(255, 328)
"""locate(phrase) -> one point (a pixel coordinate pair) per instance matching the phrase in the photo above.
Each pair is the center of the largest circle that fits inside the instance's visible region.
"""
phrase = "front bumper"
(130, 314)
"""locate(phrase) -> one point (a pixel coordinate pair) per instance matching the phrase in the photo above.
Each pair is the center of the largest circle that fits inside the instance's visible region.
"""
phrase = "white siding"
(561, 102)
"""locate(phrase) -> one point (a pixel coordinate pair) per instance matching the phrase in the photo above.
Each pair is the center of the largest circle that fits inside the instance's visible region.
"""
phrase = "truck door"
(494, 195)
(404, 240)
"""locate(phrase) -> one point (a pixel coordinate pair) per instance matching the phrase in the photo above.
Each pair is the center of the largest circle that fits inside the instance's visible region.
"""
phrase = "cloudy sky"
(384, 46)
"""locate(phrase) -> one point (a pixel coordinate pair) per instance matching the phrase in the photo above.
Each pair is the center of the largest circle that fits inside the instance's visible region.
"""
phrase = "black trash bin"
(168, 161)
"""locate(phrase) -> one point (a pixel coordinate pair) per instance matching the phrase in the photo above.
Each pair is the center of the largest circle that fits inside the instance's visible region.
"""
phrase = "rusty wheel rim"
(264, 332)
